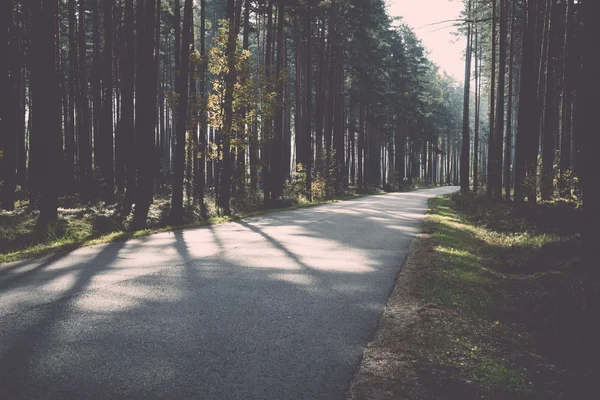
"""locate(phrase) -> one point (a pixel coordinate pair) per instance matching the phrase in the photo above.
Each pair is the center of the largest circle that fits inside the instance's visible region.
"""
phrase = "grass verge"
(491, 304)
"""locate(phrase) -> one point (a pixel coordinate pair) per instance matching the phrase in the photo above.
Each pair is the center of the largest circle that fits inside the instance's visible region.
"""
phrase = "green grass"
(79, 227)
(512, 300)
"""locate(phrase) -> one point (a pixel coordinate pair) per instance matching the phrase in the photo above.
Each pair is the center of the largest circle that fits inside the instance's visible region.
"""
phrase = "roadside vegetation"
(493, 303)
(83, 224)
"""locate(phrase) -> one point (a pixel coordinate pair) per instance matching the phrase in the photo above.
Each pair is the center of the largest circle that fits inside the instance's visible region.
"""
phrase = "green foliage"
(323, 185)
(295, 189)
(244, 92)
(504, 283)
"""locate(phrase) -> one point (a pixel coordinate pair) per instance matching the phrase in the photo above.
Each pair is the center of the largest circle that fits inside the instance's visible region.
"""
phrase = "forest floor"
(82, 225)
(492, 304)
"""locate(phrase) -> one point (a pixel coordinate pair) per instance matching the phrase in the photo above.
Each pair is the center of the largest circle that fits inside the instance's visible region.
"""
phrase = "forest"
(528, 132)
(155, 113)
(124, 118)
(187, 109)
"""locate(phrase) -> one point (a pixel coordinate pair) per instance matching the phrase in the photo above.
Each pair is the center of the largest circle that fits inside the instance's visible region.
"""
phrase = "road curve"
(278, 306)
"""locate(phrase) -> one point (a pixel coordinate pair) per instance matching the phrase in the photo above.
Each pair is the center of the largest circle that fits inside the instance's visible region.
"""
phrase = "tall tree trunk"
(565, 146)
(527, 128)
(245, 129)
(145, 103)
(8, 107)
(21, 121)
(330, 85)
(308, 152)
(72, 89)
(551, 108)
(321, 85)
(509, 117)
(96, 86)
(499, 125)
(127, 108)
(477, 107)
(277, 168)
(268, 123)
(338, 115)
(230, 79)
(361, 135)
(201, 181)
(83, 142)
(491, 138)
(193, 123)
(466, 139)
(46, 124)
(120, 133)
(590, 104)
(106, 128)
(181, 122)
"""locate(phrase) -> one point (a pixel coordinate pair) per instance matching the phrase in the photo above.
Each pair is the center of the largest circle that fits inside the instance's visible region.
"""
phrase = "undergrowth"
(516, 317)
(88, 224)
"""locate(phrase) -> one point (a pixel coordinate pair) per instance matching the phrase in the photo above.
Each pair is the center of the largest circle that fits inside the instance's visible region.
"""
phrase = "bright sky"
(446, 50)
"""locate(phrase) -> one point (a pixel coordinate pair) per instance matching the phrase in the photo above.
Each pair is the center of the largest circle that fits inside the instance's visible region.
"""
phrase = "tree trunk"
(590, 104)
(308, 152)
(127, 108)
(338, 121)
(466, 140)
(145, 103)
(499, 125)
(527, 128)
(491, 138)
(192, 124)
(181, 122)
(72, 88)
(509, 117)
(277, 168)
(566, 137)
(477, 108)
(361, 135)
(83, 142)
(45, 139)
(298, 107)
(8, 107)
(201, 181)
(551, 120)
(230, 79)
(106, 127)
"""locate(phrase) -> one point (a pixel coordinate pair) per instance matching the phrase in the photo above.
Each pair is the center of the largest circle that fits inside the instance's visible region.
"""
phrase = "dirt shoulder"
(387, 370)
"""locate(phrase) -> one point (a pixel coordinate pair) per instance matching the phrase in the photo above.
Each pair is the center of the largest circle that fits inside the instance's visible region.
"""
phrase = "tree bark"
(201, 181)
(8, 108)
(527, 128)
(509, 117)
(145, 103)
(499, 125)
(127, 108)
(590, 104)
(308, 148)
(466, 140)
(83, 142)
(182, 86)
(45, 139)
(491, 138)
(551, 107)
(277, 168)
(230, 79)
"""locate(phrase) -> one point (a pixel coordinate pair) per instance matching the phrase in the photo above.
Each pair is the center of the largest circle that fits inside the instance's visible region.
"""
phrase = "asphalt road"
(273, 307)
